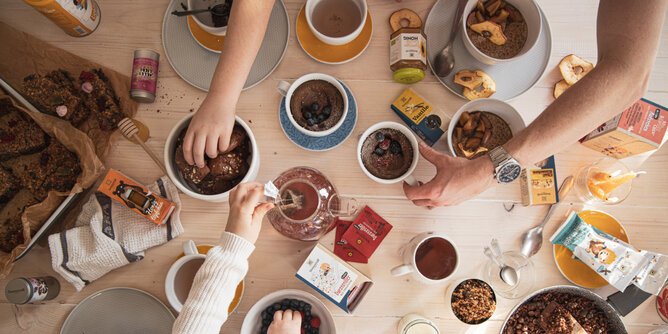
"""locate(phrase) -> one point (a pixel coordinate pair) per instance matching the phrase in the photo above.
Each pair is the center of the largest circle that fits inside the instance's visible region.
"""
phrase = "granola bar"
(55, 168)
(9, 185)
(99, 96)
(18, 134)
(11, 233)
(54, 94)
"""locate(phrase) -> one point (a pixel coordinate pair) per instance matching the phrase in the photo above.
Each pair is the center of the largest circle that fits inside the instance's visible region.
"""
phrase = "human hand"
(245, 217)
(286, 322)
(209, 131)
(457, 179)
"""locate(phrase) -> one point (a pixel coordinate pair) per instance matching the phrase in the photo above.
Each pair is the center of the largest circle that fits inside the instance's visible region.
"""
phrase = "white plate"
(119, 310)
(512, 79)
(252, 323)
(196, 65)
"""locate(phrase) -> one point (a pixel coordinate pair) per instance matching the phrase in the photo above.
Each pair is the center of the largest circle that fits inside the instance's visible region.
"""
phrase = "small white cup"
(409, 251)
(204, 19)
(286, 89)
(190, 253)
(311, 5)
(408, 176)
(531, 14)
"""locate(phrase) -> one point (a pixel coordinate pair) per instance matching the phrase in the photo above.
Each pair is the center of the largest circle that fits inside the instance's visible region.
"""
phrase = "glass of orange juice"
(605, 181)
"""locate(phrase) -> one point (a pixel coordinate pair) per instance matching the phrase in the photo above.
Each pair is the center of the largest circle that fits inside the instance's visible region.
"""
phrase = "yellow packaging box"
(420, 116)
(538, 184)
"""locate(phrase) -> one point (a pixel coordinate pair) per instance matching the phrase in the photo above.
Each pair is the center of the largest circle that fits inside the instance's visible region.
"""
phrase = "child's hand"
(245, 219)
(286, 322)
(209, 131)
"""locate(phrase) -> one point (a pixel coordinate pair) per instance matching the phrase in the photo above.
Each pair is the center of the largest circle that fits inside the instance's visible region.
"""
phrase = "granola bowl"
(471, 300)
(588, 308)
(171, 144)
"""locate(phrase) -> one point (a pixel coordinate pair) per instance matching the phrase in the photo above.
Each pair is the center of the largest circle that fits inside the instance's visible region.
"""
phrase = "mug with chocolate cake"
(497, 31)
(213, 182)
(388, 152)
(316, 103)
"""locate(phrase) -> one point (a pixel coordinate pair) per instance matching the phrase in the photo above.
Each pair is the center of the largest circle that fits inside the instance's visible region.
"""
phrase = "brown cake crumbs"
(473, 301)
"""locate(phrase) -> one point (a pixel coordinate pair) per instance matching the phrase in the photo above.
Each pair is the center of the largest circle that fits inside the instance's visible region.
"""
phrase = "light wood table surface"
(127, 25)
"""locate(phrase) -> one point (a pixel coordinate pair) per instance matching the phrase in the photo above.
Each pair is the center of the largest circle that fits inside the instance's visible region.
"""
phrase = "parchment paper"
(22, 54)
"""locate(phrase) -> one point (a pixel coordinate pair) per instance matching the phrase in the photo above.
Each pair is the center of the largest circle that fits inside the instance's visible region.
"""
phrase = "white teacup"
(177, 295)
(311, 5)
(204, 19)
(286, 89)
(410, 252)
(408, 176)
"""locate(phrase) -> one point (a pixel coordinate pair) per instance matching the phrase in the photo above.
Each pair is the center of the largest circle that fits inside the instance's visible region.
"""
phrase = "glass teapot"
(307, 204)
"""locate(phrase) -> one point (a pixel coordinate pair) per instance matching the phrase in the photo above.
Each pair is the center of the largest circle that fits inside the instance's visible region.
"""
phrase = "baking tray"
(69, 200)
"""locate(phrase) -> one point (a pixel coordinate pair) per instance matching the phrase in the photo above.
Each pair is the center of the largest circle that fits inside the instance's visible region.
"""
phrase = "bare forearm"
(628, 39)
(245, 32)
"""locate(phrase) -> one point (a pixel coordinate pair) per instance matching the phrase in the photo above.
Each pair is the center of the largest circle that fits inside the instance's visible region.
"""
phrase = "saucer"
(205, 39)
(512, 78)
(576, 271)
(196, 64)
(332, 54)
(320, 143)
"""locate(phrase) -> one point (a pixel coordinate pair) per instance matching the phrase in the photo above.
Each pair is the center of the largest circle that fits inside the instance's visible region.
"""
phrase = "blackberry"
(315, 106)
(395, 147)
(379, 136)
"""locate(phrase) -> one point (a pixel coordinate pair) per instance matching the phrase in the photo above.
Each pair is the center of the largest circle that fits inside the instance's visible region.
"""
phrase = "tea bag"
(292, 200)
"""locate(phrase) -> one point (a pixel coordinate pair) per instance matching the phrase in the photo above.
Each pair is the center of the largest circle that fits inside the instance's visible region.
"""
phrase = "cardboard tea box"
(420, 116)
(539, 183)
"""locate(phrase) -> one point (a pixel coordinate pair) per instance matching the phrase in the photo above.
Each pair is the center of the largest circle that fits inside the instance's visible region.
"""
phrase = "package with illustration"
(619, 263)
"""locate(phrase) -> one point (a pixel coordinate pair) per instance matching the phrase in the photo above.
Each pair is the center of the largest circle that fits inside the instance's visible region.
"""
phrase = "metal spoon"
(508, 274)
(445, 60)
(218, 9)
(533, 238)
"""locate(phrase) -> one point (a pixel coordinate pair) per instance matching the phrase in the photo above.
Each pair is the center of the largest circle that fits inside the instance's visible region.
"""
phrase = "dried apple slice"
(491, 31)
(486, 89)
(572, 67)
(560, 87)
(501, 18)
(468, 79)
(492, 7)
(463, 118)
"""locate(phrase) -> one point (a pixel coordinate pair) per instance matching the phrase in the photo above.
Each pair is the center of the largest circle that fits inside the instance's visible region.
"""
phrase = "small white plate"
(119, 310)
(512, 78)
(196, 65)
(253, 323)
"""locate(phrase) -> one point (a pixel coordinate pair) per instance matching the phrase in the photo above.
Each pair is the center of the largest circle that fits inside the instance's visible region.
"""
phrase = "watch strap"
(498, 156)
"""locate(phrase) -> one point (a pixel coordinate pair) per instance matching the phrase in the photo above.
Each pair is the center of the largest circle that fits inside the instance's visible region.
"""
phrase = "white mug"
(286, 89)
(311, 5)
(189, 253)
(408, 176)
(409, 252)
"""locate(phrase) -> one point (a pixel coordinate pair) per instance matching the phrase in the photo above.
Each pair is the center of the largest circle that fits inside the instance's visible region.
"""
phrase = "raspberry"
(385, 144)
(315, 322)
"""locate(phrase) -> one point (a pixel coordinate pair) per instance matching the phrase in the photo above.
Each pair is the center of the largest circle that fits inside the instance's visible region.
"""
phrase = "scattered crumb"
(250, 121)
(191, 109)
(158, 110)
(275, 153)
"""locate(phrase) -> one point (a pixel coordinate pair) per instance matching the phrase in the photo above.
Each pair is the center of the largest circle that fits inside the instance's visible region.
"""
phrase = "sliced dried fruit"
(470, 125)
(492, 7)
(610, 185)
(486, 89)
(472, 19)
(472, 143)
(468, 79)
(478, 134)
(463, 118)
(572, 67)
(479, 17)
(458, 135)
(600, 177)
(491, 31)
(500, 18)
(480, 7)
(486, 136)
(410, 16)
(560, 87)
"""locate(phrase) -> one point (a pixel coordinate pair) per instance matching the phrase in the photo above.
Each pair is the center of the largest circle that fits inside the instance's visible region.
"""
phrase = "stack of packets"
(619, 263)
(331, 275)
(539, 183)
(638, 129)
(356, 241)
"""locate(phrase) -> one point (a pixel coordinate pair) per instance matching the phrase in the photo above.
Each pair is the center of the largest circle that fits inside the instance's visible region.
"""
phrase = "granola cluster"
(473, 301)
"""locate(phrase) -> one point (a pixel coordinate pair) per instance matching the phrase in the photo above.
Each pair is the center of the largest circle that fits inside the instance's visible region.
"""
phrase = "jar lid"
(420, 326)
(408, 75)
(18, 291)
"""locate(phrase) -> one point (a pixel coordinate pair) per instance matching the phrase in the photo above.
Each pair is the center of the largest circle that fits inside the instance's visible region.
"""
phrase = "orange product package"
(136, 197)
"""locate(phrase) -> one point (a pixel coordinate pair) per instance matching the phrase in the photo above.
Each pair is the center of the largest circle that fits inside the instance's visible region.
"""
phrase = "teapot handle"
(342, 206)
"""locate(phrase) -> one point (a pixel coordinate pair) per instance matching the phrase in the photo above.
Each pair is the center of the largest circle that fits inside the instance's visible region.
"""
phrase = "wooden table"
(128, 25)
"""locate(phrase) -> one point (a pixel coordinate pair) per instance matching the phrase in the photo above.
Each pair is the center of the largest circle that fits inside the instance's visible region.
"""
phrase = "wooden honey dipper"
(130, 130)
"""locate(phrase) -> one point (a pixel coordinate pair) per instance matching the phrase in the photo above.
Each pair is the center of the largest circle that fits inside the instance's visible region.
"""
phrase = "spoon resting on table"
(533, 238)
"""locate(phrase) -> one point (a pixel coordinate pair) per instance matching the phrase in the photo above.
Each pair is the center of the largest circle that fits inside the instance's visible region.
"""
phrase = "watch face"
(509, 173)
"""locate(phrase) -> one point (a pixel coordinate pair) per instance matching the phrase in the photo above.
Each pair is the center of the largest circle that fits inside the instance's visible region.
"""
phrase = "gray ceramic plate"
(196, 65)
(512, 79)
(612, 315)
(119, 310)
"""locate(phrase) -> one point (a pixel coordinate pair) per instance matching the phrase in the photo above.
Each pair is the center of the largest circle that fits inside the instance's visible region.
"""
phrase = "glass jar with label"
(24, 290)
(408, 51)
(414, 323)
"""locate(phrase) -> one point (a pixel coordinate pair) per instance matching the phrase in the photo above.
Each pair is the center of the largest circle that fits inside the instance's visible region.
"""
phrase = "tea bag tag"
(270, 190)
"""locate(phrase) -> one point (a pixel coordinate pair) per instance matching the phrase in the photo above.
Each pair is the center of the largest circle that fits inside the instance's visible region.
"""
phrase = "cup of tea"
(336, 22)
(430, 257)
(388, 153)
(181, 275)
(316, 104)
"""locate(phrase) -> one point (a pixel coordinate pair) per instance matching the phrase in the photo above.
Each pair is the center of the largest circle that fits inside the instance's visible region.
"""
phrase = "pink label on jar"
(144, 74)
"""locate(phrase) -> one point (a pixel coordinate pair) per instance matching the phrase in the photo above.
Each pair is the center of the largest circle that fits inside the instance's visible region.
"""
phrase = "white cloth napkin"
(107, 235)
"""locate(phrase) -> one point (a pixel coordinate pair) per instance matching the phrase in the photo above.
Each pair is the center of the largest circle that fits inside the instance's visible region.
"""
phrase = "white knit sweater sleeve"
(213, 289)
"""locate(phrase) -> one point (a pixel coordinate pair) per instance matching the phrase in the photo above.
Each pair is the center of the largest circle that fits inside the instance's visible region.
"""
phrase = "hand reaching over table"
(456, 180)
(209, 131)
(245, 218)
(286, 322)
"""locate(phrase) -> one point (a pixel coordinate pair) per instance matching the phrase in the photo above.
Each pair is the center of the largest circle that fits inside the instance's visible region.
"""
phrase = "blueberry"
(307, 114)
(327, 110)
(310, 121)
(264, 315)
(315, 106)
(395, 147)
(379, 136)
(321, 118)
(379, 151)
(301, 304)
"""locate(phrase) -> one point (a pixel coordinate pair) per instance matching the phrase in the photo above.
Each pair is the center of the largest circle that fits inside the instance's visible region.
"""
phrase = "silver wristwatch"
(506, 169)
